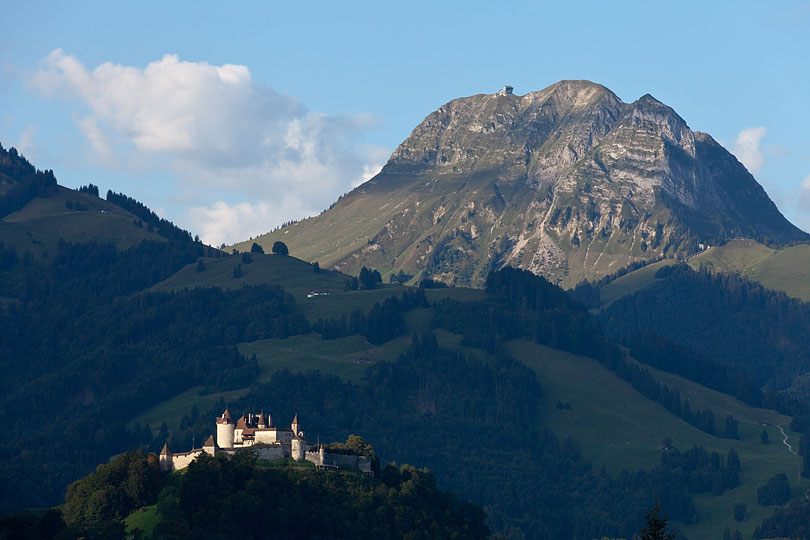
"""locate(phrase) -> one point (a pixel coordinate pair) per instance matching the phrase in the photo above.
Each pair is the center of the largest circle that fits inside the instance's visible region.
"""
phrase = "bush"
(280, 248)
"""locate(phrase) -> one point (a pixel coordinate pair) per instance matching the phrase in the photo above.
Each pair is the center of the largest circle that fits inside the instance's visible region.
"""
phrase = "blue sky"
(231, 119)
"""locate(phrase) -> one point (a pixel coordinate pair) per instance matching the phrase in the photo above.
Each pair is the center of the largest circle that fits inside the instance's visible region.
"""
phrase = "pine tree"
(656, 527)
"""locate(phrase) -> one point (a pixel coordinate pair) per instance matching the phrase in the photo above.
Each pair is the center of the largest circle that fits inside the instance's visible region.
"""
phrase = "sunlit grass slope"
(785, 270)
(616, 427)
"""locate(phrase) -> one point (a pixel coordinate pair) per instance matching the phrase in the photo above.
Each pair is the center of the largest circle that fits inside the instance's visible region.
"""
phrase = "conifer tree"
(656, 526)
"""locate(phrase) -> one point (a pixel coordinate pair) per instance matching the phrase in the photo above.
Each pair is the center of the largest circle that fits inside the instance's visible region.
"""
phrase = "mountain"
(512, 394)
(568, 182)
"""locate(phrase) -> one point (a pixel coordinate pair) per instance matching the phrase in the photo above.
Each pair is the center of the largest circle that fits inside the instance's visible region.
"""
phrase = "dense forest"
(523, 305)
(758, 332)
(20, 181)
(216, 496)
(531, 484)
(89, 354)
(163, 227)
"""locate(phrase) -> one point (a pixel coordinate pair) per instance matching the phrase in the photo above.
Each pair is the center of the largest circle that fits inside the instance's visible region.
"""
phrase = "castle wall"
(267, 436)
(270, 452)
(181, 461)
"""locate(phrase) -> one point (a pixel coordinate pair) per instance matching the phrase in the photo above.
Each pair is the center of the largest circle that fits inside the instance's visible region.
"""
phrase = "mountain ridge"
(569, 182)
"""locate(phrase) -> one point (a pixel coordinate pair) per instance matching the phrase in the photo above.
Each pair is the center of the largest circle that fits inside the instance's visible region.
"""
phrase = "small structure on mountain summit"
(505, 91)
(257, 432)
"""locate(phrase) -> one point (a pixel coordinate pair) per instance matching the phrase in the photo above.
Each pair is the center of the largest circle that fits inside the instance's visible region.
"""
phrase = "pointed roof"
(225, 418)
(262, 419)
(241, 423)
(165, 451)
(209, 442)
(295, 420)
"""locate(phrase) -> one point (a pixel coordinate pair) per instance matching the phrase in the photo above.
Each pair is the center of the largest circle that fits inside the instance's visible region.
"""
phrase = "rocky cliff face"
(568, 182)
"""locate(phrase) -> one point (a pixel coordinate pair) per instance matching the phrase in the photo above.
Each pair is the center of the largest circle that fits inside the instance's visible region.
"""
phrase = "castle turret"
(166, 458)
(210, 447)
(298, 448)
(295, 427)
(262, 423)
(225, 427)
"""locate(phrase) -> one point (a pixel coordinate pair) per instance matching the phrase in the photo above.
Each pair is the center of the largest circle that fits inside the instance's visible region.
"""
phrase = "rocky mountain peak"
(569, 182)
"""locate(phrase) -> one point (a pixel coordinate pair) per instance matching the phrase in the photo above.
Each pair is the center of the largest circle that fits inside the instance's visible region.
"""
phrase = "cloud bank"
(251, 157)
(748, 148)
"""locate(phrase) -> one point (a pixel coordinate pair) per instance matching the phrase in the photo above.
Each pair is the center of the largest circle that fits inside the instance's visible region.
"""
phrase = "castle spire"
(165, 451)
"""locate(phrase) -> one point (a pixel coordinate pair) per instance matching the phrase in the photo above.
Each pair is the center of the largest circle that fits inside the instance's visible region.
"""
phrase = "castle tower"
(225, 427)
(298, 448)
(295, 427)
(262, 421)
(210, 447)
(166, 458)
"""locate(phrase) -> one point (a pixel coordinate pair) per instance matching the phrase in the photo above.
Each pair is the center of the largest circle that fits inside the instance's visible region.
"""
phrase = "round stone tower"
(225, 427)
(298, 448)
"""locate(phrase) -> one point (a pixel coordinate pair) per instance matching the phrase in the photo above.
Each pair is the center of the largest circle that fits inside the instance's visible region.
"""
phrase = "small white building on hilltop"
(257, 432)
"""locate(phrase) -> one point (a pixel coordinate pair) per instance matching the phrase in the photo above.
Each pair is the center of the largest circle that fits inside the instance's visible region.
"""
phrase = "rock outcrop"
(568, 182)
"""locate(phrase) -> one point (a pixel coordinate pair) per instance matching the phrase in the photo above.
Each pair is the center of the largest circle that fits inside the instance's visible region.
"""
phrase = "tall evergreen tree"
(656, 526)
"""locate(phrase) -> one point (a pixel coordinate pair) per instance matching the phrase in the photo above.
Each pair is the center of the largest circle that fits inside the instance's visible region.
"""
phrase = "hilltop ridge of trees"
(217, 494)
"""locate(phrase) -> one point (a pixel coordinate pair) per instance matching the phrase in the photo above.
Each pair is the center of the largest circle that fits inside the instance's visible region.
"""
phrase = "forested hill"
(727, 318)
(216, 496)
(20, 181)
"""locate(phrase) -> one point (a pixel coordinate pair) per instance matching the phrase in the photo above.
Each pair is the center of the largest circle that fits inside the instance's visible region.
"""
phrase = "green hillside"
(295, 275)
(630, 282)
(786, 269)
(612, 424)
(43, 221)
(618, 428)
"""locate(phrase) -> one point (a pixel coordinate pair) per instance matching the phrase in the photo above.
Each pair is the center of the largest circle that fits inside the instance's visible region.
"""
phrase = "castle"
(257, 432)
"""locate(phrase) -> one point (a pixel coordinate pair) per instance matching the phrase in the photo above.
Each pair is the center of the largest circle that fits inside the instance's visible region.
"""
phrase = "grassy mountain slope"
(786, 269)
(297, 276)
(618, 428)
(44, 220)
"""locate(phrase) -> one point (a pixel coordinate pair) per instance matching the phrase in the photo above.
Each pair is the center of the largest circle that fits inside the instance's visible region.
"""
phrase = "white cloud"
(806, 182)
(224, 136)
(222, 223)
(748, 150)
(376, 156)
(26, 145)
